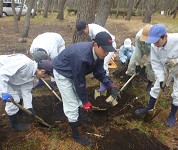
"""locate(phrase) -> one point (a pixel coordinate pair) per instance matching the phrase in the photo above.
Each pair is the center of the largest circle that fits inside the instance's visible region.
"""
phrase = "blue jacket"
(75, 62)
(125, 53)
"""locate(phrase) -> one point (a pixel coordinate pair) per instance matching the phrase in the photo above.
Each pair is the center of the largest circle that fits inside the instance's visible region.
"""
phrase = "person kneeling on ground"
(126, 51)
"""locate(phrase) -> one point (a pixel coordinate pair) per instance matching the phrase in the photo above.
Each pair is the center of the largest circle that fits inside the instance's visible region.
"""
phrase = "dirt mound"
(128, 140)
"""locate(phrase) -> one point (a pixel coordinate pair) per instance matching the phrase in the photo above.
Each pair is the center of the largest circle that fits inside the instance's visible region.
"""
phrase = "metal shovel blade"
(112, 100)
(98, 93)
(151, 114)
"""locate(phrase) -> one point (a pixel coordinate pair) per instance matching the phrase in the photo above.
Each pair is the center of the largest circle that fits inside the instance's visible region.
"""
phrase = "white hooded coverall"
(16, 78)
(52, 43)
(159, 56)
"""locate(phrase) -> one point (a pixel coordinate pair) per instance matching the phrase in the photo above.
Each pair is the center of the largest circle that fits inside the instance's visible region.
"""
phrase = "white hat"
(127, 43)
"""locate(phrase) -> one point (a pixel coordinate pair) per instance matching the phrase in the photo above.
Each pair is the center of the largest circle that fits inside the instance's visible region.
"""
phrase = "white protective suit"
(52, 43)
(16, 78)
(159, 56)
(93, 30)
(141, 49)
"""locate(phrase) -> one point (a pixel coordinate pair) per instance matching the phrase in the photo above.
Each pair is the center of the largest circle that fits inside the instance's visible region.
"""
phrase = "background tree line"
(93, 10)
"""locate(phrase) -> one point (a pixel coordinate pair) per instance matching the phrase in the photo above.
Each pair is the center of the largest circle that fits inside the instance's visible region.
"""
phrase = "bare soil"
(117, 128)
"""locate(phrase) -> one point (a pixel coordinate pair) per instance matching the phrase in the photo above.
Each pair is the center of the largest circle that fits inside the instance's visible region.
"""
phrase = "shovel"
(57, 96)
(93, 107)
(30, 113)
(153, 112)
(113, 100)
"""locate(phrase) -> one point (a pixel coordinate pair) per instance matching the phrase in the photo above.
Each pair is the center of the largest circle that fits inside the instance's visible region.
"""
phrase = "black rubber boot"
(149, 106)
(77, 137)
(83, 116)
(149, 86)
(16, 125)
(20, 112)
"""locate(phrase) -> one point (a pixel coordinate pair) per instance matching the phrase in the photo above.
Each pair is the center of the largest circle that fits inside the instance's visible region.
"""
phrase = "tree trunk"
(103, 9)
(20, 12)
(175, 9)
(136, 4)
(60, 15)
(55, 6)
(40, 7)
(35, 9)
(130, 4)
(45, 12)
(85, 11)
(27, 19)
(1, 8)
(149, 11)
(16, 27)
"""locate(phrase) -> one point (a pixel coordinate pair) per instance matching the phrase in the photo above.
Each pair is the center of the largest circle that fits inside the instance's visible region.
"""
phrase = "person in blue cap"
(70, 68)
(164, 56)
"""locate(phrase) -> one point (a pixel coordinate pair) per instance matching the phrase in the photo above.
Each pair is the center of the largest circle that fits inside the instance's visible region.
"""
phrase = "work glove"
(6, 96)
(137, 69)
(171, 63)
(161, 86)
(87, 106)
(115, 91)
(140, 70)
(102, 88)
(39, 83)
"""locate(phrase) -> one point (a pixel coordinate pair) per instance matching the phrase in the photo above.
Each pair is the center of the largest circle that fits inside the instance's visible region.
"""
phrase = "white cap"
(127, 43)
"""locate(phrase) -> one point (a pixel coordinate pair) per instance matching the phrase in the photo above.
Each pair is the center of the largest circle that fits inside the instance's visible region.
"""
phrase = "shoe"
(149, 86)
(145, 110)
(172, 116)
(16, 125)
(77, 137)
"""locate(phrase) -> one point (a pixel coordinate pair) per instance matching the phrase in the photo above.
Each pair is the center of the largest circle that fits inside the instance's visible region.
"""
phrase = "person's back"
(51, 42)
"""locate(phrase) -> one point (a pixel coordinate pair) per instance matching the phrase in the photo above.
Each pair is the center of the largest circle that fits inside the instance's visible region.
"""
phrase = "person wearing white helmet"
(126, 51)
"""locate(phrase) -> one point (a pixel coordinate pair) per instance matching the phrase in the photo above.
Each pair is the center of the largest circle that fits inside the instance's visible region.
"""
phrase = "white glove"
(171, 63)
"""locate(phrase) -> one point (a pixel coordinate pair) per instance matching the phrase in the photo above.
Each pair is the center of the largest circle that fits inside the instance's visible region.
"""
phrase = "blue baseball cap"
(156, 31)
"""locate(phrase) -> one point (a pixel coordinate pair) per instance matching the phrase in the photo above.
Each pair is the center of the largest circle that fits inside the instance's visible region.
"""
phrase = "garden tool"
(57, 96)
(93, 107)
(153, 112)
(113, 100)
(30, 113)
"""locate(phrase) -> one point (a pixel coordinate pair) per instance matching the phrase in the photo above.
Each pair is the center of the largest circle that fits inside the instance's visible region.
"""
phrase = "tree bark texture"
(103, 9)
(27, 19)
(16, 27)
(60, 15)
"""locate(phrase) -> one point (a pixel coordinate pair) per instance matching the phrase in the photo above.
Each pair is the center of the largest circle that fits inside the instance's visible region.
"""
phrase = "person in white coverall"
(17, 73)
(47, 46)
(164, 57)
(92, 29)
(141, 49)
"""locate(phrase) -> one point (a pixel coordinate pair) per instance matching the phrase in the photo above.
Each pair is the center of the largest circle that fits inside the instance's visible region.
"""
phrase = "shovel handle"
(161, 90)
(57, 96)
(29, 112)
(128, 81)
